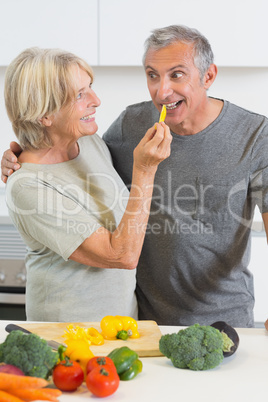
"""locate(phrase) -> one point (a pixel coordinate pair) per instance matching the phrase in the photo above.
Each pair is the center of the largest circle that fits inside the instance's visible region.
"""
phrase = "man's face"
(174, 80)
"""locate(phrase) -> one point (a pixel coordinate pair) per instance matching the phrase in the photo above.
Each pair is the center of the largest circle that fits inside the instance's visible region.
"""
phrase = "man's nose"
(165, 89)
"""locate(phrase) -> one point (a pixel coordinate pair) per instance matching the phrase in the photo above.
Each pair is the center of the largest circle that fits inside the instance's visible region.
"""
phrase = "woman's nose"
(93, 99)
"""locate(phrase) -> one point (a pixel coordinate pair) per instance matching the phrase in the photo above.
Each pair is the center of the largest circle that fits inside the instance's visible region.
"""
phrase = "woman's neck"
(49, 156)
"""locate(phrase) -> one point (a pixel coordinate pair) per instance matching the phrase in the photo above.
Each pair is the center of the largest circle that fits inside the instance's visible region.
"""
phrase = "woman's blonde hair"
(38, 82)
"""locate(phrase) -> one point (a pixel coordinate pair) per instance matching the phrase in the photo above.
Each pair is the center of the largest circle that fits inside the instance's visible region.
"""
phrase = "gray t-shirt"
(194, 263)
(55, 208)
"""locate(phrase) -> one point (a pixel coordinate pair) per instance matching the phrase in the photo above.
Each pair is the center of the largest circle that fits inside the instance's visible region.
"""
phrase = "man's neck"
(209, 114)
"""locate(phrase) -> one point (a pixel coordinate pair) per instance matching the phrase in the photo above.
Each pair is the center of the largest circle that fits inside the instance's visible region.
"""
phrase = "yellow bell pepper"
(78, 341)
(119, 327)
(79, 351)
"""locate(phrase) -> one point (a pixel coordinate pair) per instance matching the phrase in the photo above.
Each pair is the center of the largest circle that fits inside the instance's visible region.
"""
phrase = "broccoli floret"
(196, 347)
(30, 353)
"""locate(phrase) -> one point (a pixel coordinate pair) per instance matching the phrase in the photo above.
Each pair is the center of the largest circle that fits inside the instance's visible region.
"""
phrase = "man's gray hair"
(162, 37)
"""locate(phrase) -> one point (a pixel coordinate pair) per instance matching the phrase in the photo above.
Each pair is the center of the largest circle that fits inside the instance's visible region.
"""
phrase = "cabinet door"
(259, 267)
(236, 29)
(66, 24)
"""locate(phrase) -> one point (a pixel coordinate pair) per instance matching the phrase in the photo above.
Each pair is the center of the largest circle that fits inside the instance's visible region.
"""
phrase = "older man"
(194, 262)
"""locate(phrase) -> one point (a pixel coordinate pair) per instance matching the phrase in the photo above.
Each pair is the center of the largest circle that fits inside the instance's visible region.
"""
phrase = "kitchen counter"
(240, 377)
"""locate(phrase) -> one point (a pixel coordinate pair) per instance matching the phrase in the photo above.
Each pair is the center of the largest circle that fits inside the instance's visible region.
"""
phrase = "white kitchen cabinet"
(259, 267)
(237, 30)
(66, 24)
(112, 32)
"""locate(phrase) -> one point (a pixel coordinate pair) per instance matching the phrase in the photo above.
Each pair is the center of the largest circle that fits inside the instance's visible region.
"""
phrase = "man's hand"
(9, 162)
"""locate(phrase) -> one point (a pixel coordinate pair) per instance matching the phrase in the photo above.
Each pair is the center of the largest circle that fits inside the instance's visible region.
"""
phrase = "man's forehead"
(177, 54)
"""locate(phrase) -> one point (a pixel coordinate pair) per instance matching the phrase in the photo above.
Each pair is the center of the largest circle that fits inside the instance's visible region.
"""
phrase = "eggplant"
(222, 326)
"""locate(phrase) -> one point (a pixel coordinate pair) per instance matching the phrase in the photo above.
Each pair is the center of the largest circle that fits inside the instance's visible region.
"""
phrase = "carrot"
(11, 381)
(6, 397)
(42, 394)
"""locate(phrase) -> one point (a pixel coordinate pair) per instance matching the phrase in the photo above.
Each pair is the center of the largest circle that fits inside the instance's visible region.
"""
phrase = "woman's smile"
(90, 117)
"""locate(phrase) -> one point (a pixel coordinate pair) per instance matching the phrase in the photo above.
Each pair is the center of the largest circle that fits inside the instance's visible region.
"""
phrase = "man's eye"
(177, 75)
(151, 75)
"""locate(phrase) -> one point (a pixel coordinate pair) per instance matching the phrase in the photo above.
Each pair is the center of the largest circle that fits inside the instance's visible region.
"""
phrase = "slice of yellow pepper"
(112, 325)
(94, 336)
(91, 334)
(163, 113)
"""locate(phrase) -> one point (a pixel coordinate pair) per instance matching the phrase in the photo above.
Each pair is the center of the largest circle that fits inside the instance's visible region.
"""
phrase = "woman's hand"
(9, 161)
(153, 148)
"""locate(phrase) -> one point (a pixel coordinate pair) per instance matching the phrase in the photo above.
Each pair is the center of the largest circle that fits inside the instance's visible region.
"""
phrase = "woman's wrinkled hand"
(153, 148)
(9, 162)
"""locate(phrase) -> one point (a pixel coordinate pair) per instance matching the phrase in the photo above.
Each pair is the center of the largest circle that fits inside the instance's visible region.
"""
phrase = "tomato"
(68, 375)
(101, 362)
(102, 381)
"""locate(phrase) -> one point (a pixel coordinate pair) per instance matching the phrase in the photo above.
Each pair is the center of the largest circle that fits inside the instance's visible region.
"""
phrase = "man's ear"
(46, 121)
(210, 75)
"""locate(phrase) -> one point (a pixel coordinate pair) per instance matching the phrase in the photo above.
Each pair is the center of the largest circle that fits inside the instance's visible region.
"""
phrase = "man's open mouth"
(173, 105)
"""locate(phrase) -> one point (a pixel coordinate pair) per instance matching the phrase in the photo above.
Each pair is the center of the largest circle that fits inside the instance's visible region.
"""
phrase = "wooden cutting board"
(147, 345)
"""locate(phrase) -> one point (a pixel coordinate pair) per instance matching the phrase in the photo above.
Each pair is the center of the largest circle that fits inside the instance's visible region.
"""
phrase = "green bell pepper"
(132, 372)
(126, 362)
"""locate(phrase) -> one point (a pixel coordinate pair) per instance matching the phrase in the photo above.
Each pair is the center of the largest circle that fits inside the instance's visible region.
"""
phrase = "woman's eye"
(80, 96)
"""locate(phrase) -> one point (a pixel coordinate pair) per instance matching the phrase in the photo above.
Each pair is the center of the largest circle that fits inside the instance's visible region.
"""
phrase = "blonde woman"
(84, 231)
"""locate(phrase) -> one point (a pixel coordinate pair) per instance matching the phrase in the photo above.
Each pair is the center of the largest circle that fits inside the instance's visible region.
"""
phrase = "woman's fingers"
(160, 141)
(154, 147)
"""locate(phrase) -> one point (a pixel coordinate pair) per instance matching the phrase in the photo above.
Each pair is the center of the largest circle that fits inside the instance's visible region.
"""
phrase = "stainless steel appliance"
(12, 272)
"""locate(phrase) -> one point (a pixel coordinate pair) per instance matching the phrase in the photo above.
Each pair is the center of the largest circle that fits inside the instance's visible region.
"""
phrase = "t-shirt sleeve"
(259, 170)
(50, 218)
(103, 147)
(113, 135)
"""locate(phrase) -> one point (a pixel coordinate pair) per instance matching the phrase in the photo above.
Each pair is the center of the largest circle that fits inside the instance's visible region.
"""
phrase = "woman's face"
(77, 118)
